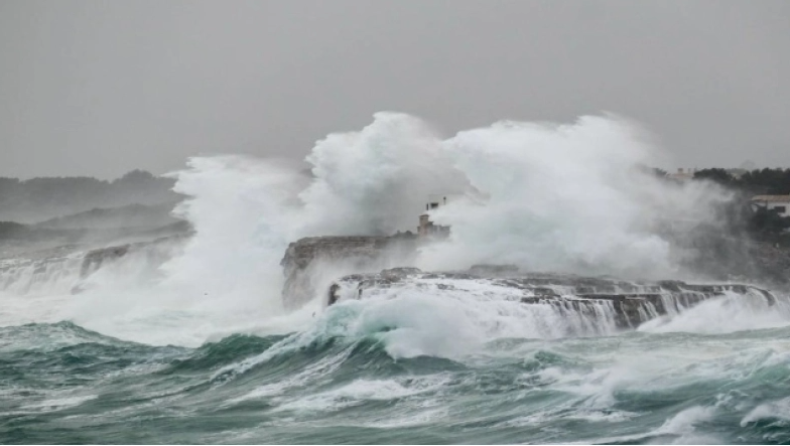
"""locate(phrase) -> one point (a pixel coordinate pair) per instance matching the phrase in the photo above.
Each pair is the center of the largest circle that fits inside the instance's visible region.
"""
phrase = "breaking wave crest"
(569, 198)
(640, 388)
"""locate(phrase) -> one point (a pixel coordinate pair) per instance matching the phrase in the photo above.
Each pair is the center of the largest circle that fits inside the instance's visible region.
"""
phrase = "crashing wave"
(568, 305)
(74, 272)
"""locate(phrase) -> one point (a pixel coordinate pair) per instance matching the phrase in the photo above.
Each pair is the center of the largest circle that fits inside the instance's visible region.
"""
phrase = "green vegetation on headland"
(44, 213)
(745, 241)
(741, 213)
(39, 199)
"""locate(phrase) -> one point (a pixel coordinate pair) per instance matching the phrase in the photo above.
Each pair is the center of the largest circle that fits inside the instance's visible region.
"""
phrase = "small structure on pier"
(426, 227)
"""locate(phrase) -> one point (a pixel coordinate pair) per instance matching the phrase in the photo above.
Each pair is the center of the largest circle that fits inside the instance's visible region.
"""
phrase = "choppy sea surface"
(356, 374)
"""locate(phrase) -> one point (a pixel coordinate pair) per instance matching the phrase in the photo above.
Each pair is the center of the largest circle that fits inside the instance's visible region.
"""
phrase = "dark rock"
(93, 260)
(304, 260)
(632, 303)
(489, 270)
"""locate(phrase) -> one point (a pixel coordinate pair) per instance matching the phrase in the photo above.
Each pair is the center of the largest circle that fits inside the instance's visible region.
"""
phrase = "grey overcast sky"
(100, 87)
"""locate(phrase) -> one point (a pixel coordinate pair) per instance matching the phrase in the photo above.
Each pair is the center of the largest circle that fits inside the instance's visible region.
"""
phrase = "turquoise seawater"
(60, 383)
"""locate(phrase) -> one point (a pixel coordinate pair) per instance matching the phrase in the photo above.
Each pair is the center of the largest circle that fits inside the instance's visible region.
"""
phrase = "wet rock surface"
(627, 303)
(304, 258)
(66, 270)
(94, 259)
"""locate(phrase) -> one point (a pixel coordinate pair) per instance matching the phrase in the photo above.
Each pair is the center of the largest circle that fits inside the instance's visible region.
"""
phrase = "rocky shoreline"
(369, 266)
(628, 304)
(715, 259)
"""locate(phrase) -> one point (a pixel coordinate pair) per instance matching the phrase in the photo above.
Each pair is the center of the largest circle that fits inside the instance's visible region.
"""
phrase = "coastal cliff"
(310, 264)
(361, 267)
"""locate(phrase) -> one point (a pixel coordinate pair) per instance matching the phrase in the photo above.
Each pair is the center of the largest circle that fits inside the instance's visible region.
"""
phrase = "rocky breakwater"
(70, 270)
(311, 264)
(140, 260)
(587, 304)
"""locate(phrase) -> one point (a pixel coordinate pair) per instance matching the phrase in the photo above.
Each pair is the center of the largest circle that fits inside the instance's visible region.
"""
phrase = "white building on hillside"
(780, 203)
(682, 174)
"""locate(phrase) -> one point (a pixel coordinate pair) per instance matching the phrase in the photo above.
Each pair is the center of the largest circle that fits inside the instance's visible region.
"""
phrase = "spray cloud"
(566, 198)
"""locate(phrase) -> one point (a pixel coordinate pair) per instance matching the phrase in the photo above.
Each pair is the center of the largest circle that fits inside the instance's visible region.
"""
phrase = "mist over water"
(192, 335)
(572, 198)
(569, 198)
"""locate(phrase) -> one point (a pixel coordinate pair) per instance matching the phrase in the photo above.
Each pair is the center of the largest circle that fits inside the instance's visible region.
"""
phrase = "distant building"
(779, 203)
(682, 174)
(688, 174)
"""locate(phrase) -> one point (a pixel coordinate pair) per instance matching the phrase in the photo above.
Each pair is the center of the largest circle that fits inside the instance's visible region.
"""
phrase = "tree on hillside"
(767, 181)
(39, 199)
(768, 223)
(740, 215)
(716, 175)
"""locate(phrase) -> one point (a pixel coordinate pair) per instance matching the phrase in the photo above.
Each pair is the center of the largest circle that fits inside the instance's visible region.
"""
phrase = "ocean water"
(195, 345)
(349, 378)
